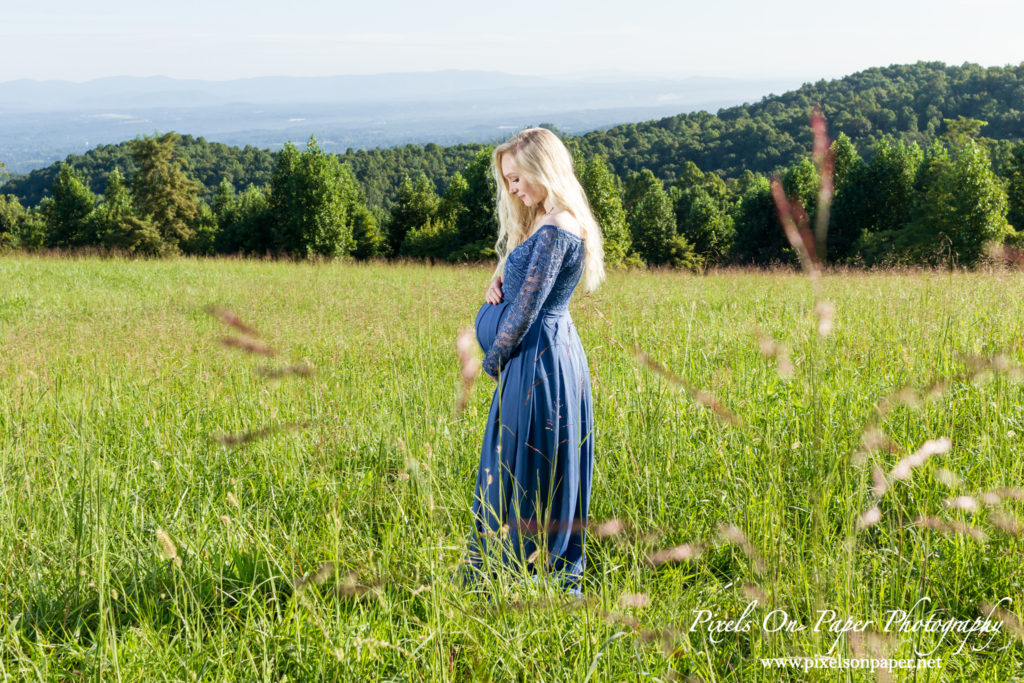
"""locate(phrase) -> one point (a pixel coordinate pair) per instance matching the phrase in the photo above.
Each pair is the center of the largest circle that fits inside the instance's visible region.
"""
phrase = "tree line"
(903, 205)
(911, 185)
(909, 103)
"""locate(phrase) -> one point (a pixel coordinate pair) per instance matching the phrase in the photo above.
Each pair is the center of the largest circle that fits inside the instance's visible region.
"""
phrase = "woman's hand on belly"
(494, 294)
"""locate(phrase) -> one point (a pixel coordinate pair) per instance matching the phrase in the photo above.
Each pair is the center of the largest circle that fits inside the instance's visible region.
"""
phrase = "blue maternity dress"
(537, 459)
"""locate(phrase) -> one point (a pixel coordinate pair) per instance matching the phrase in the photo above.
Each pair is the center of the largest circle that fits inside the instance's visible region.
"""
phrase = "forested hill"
(380, 171)
(909, 102)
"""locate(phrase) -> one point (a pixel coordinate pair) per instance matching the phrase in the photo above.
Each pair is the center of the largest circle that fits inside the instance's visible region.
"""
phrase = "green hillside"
(909, 102)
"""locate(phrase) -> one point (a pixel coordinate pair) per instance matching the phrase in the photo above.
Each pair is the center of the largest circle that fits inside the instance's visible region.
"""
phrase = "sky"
(226, 39)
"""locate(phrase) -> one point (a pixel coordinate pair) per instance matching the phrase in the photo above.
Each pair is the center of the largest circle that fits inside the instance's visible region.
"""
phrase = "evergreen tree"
(706, 224)
(923, 240)
(117, 227)
(203, 241)
(164, 194)
(476, 222)
(602, 190)
(760, 239)
(1015, 189)
(801, 183)
(874, 200)
(286, 211)
(20, 228)
(67, 212)
(432, 240)
(415, 206)
(962, 130)
(638, 185)
(652, 226)
(223, 198)
(845, 220)
(889, 188)
(369, 238)
(329, 192)
(244, 222)
(703, 206)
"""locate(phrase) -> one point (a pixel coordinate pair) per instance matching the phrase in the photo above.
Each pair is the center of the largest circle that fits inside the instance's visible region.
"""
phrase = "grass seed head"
(968, 503)
(732, 534)
(634, 600)
(951, 527)
(297, 369)
(947, 478)
(879, 484)
(321, 574)
(680, 553)
(607, 528)
(1008, 618)
(825, 312)
(990, 498)
(248, 345)
(929, 448)
(229, 318)
(167, 546)
(870, 517)
(1005, 523)
(754, 592)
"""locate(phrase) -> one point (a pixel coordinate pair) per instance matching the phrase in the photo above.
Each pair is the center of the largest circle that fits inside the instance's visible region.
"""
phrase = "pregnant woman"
(536, 465)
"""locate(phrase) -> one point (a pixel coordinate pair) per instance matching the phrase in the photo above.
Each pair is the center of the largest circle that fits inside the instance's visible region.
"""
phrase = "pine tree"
(1015, 189)
(703, 206)
(163, 193)
(415, 206)
(244, 222)
(476, 223)
(601, 187)
(369, 238)
(652, 225)
(845, 226)
(286, 212)
(67, 212)
(759, 237)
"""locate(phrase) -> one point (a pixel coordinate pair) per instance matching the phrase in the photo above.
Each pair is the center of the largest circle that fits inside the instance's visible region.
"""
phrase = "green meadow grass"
(114, 385)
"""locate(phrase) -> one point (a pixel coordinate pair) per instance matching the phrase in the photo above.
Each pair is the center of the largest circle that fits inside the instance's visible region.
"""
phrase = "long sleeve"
(541, 273)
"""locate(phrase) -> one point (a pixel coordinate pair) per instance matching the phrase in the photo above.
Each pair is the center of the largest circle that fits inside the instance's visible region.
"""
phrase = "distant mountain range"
(44, 121)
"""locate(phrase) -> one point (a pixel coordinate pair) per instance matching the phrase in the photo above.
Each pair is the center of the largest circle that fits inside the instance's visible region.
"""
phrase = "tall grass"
(137, 542)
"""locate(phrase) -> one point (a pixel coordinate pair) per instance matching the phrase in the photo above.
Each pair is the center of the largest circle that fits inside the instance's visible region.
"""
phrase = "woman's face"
(519, 186)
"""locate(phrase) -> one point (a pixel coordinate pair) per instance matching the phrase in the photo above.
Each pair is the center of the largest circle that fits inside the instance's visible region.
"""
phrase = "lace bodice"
(540, 277)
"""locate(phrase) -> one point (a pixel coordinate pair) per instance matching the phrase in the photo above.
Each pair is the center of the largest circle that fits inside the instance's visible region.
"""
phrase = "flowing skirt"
(532, 492)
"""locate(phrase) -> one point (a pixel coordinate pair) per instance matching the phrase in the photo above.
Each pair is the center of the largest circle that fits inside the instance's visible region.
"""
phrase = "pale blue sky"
(79, 40)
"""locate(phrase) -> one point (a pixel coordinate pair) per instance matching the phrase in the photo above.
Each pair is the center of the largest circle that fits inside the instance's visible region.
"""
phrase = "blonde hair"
(545, 162)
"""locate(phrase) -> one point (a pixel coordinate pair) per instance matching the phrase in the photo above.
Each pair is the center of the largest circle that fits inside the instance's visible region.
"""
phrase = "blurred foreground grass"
(114, 384)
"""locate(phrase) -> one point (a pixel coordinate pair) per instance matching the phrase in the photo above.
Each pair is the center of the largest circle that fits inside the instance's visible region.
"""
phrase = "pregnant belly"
(488, 322)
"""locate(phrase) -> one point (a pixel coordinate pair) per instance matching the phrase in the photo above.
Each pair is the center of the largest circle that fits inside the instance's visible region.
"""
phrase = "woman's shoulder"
(564, 220)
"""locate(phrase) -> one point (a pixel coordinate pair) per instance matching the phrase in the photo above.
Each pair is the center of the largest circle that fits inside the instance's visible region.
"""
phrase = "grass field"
(135, 545)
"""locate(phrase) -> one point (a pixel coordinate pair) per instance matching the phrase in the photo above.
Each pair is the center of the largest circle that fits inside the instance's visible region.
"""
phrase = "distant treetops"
(916, 182)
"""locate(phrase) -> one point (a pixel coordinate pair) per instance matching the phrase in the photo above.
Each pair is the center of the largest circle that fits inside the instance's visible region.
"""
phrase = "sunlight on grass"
(135, 542)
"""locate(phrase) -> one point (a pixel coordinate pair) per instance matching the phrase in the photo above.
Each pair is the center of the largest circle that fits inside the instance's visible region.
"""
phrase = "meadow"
(174, 507)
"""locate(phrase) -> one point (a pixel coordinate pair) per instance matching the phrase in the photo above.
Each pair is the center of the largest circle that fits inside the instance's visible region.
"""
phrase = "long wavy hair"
(545, 162)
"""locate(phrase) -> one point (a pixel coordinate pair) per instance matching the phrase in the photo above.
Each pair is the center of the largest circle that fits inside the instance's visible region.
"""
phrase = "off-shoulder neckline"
(556, 227)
